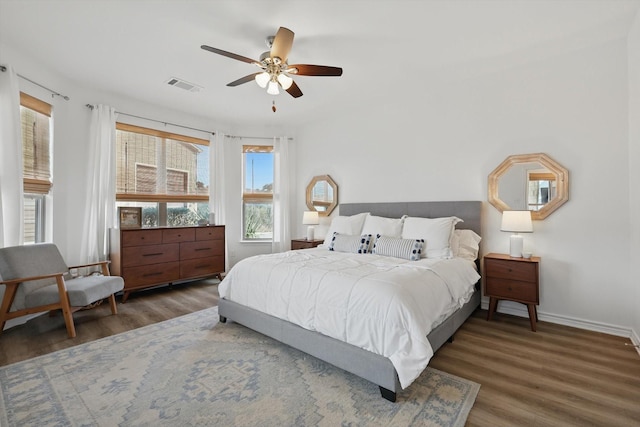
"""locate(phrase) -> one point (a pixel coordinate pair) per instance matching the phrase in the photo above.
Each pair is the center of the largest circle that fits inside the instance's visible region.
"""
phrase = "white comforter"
(381, 304)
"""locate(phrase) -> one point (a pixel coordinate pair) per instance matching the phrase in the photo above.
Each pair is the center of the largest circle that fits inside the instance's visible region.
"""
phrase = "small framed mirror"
(533, 182)
(322, 195)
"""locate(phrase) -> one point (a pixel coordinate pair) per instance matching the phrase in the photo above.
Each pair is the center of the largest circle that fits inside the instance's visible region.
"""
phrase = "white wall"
(438, 138)
(633, 50)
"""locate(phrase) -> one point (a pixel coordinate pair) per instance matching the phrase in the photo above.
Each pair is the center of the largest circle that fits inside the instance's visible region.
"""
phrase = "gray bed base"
(363, 363)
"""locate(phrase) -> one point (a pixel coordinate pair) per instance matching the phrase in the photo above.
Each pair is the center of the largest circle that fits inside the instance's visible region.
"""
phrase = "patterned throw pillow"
(347, 243)
(410, 249)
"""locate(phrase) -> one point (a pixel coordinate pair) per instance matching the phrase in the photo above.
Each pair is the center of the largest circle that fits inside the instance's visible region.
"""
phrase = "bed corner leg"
(223, 319)
(388, 394)
(450, 340)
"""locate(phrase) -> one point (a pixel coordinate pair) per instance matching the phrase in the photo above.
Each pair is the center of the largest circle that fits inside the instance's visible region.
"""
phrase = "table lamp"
(310, 218)
(516, 222)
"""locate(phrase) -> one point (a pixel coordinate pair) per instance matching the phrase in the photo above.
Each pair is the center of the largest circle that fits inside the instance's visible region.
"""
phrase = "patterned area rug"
(194, 371)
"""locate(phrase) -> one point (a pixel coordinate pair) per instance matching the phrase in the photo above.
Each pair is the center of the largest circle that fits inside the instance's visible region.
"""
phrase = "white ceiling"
(134, 47)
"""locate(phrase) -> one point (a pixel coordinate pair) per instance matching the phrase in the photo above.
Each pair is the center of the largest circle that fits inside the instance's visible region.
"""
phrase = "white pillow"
(390, 227)
(410, 249)
(465, 244)
(436, 233)
(347, 243)
(351, 225)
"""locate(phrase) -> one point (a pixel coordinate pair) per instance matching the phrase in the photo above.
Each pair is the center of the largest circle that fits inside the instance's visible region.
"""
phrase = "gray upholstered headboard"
(469, 211)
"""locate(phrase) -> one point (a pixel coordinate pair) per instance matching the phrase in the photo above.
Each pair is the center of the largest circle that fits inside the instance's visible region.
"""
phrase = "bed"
(384, 371)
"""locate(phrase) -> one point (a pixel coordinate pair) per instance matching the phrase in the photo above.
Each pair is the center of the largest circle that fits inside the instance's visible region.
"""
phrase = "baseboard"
(521, 311)
(635, 340)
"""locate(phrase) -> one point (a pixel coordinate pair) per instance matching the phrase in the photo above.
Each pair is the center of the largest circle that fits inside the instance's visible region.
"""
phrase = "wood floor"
(558, 376)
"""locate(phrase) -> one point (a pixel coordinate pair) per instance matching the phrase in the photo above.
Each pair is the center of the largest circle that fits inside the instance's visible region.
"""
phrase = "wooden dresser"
(513, 279)
(147, 257)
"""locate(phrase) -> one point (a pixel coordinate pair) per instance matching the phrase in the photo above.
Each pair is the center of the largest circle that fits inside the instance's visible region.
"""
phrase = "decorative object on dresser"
(155, 256)
(516, 222)
(304, 243)
(310, 218)
(513, 279)
(129, 217)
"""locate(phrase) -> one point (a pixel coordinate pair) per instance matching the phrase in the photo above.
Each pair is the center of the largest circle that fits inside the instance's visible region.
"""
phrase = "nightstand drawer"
(512, 289)
(504, 269)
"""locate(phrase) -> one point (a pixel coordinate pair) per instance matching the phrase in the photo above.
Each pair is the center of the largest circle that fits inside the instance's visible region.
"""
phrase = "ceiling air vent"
(183, 84)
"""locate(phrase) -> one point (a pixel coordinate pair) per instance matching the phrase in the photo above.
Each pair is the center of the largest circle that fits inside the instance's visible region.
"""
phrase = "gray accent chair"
(37, 279)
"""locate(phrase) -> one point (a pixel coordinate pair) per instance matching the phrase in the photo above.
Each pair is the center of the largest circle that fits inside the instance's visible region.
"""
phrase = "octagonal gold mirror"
(533, 182)
(322, 195)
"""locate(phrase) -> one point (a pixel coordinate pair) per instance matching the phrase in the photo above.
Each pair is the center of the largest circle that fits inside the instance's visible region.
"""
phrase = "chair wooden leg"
(7, 300)
(112, 303)
(66, 307)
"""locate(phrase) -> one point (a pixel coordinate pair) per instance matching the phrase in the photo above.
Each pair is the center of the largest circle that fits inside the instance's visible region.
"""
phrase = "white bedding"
(381, 304)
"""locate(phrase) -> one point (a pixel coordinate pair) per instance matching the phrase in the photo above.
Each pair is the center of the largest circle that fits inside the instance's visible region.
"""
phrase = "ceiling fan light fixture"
(262, 79)
(273, 88)
(285, 81)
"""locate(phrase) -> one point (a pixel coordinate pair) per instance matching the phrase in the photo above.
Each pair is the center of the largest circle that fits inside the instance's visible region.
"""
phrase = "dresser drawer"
(177, 235)
(141, 237)
(136, 277)
(145, 255)
(201, 267)
(511, 289)
(210, 233)
(504, 269)
(201, 249)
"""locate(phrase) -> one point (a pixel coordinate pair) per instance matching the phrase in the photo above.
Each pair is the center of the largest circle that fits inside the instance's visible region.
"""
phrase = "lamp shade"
(517, 221)
(310, 218)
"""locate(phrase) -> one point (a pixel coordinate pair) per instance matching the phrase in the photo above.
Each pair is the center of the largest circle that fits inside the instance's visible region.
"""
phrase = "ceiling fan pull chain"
(273, 105)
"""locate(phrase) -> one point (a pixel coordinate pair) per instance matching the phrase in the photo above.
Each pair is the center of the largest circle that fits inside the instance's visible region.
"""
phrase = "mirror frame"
(562, 177)
(333, 185)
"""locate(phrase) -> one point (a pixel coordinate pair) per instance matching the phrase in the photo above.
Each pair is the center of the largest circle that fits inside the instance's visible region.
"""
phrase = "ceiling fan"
(276, 72)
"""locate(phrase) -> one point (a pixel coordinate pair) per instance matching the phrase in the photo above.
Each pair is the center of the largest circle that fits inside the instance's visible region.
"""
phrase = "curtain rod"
(53, 92)
(255, 137)
(157, 121)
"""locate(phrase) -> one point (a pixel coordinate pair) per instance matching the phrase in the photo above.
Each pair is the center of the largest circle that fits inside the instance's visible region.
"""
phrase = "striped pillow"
(348, 243)
(410, 249)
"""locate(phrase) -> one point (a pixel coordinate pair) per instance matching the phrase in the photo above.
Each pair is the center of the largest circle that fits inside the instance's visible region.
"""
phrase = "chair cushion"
(82, 291)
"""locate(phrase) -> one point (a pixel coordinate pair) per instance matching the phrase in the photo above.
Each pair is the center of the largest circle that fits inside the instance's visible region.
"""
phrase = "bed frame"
(370, 366)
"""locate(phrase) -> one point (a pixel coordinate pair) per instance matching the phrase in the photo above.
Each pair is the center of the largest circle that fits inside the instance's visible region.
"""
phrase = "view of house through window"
(257, 196)
(35, 118)
(166, 174)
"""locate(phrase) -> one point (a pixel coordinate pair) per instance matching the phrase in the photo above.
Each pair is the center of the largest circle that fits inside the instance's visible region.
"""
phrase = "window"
(164, 173)
(257, 195)
(35, 119)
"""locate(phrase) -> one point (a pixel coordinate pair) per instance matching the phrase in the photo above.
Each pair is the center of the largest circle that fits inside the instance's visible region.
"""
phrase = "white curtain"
(217, 195)
(11, 191)
(100, 200)
(281, 195)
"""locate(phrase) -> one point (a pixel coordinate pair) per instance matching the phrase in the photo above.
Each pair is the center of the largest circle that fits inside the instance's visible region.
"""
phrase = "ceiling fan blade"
(314, 70)
(282, 44)
(294, 90)
(243, 80)
(229, 54)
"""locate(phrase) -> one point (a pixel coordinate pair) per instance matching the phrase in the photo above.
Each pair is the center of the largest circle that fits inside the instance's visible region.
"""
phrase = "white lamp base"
(516, 245)
(310, 232)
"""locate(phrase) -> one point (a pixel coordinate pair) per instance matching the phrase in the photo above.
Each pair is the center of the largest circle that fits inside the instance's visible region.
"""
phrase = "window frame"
(254, 197)
(37, 189)
(162, 200)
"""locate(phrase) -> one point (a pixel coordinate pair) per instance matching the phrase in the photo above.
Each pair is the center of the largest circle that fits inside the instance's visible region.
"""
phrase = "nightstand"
(304, 243)
(513, 279)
